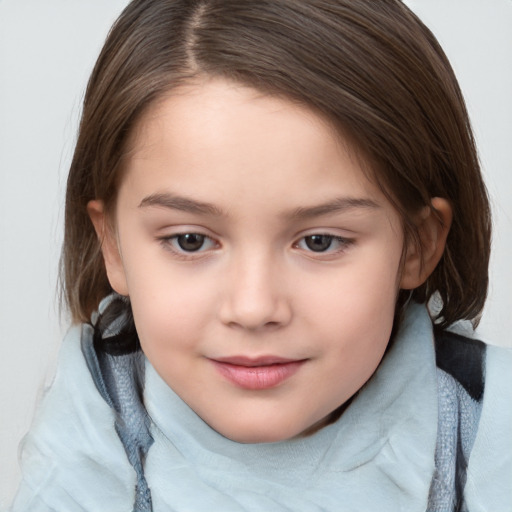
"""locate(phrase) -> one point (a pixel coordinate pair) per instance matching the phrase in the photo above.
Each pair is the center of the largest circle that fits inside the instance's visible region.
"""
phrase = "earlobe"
(109, 246)
(433, 225)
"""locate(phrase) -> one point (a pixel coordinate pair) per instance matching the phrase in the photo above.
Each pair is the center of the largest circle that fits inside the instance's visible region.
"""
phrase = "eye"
(189, 242)
(322, 243)
(318, 243)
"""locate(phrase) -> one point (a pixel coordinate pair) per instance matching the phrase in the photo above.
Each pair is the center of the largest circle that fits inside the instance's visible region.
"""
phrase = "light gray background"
(47, 50)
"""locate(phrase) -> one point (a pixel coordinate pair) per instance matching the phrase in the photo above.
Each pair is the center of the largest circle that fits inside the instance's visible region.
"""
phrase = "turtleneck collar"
(379, 453)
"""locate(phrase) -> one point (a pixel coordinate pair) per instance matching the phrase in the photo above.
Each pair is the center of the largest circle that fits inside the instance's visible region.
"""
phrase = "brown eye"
(190, 242)
(318, 243)
(188, 245)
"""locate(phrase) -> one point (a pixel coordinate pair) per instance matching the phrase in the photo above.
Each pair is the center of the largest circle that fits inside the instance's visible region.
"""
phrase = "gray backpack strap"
(111, 350)
(460, 379)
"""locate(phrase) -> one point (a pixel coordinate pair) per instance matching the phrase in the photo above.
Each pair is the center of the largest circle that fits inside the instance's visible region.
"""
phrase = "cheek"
(172, 306)
(355, 312)
(364, 292)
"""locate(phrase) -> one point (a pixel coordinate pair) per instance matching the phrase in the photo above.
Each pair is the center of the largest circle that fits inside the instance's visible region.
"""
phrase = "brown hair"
(369, 66)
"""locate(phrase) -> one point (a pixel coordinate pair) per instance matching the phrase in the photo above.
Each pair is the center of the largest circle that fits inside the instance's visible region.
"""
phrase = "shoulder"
(72, 458)
(484, 371)
(464, 359)
(490, 465)
(489, 470)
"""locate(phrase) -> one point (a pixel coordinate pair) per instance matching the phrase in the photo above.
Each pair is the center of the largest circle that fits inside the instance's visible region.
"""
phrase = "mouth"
(258, 373)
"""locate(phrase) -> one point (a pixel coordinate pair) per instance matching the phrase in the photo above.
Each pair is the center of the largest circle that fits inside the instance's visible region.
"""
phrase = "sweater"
(380, 455)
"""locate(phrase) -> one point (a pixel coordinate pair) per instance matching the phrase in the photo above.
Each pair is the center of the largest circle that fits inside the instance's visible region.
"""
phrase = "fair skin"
(261, 264)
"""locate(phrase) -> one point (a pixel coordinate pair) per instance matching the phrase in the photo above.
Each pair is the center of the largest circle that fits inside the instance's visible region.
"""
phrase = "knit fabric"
(458, 421)
(110, 432)
(119, 383)
(119, 378)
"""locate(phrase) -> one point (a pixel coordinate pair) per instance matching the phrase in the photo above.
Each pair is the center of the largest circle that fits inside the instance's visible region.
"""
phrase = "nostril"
(256, 327)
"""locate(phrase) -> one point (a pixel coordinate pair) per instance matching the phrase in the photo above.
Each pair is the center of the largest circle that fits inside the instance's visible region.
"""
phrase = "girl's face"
(261, 264)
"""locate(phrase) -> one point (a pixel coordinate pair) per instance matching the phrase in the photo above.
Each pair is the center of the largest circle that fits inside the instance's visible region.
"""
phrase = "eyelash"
(343, 243)
(172, 243)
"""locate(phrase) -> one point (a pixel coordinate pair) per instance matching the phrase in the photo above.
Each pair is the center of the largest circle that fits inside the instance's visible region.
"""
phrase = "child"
(263, 199)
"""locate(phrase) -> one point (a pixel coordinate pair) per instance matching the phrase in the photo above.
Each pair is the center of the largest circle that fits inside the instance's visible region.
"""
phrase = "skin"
(256, 176)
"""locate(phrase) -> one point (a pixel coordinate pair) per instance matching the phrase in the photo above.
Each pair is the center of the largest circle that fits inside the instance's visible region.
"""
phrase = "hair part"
(371, 68)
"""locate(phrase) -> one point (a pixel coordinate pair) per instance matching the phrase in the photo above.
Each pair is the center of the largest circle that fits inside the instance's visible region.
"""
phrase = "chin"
(260, 438)
(254, 435)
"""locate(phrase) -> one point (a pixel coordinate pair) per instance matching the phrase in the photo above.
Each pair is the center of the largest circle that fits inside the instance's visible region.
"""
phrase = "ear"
(109, 246)
(433, 225)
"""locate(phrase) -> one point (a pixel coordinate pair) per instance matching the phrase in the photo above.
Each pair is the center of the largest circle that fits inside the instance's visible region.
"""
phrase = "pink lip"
(259, 373)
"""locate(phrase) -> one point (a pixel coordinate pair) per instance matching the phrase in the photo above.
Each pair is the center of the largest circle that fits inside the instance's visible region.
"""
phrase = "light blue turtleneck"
(378, 457)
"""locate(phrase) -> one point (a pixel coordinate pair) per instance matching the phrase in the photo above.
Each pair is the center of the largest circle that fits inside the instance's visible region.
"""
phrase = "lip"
(257, 373)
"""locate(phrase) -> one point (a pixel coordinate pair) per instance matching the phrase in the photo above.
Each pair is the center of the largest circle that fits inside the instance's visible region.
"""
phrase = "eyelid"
(168, 243)
(344, 244)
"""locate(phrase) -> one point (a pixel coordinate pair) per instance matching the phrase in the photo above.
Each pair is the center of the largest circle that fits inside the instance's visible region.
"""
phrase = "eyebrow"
(174, 202)
(184, 204)
(338, 205)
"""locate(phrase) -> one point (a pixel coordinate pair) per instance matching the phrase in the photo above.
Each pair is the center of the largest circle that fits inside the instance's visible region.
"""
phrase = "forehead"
(206, 106)
(215, 135)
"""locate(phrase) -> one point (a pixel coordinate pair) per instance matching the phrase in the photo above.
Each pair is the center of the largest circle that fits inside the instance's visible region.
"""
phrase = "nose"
(255, 297)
